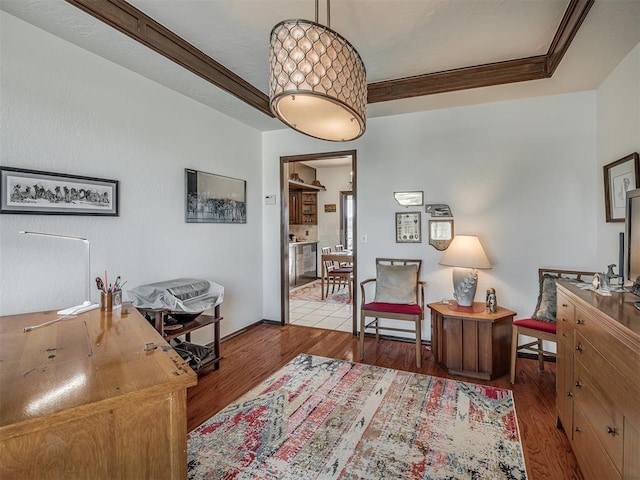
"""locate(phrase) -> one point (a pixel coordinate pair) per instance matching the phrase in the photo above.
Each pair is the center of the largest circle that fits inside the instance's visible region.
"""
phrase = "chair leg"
(361, 335)
(540, 356)
(418, 343)
(377, 331)
(350, 292)
(514, 354)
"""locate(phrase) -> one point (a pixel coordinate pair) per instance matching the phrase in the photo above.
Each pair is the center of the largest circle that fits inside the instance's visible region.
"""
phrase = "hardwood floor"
(252, 356)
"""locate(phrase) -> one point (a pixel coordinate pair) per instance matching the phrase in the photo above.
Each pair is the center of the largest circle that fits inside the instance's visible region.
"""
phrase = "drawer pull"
(565, 305)
(569, 394)
(578, 384)
(611, 431)
(579, 347)
(577, 429)
(580, 321)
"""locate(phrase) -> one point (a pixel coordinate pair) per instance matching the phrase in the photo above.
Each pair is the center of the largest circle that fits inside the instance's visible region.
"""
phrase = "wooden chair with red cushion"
(542, 324)
(399, 295)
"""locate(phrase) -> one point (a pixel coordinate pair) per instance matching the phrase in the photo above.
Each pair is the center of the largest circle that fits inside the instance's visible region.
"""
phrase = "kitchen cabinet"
(303, 208)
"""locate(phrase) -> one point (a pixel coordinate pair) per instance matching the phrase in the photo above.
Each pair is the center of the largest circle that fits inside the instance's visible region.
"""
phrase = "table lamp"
(467, 255)
(86, 305)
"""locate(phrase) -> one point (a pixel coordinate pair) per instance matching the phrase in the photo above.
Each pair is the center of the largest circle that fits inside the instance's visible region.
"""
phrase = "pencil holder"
(106, 301)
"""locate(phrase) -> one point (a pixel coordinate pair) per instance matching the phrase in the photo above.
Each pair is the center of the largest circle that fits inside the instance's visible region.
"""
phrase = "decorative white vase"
(465, 283)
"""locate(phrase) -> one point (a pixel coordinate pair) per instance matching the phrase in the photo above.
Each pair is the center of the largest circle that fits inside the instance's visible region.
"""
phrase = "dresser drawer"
(600, 411)
(621, 352)
(565, 320)
(592, 457)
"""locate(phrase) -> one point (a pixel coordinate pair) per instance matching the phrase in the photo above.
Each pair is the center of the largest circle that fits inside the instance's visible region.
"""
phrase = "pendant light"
(317, 80)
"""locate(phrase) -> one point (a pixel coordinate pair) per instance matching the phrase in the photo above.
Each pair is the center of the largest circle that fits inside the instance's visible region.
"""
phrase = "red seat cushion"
(404, 308)
(549, 327)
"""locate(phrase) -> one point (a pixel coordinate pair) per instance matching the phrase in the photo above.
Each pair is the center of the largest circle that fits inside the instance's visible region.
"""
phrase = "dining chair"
(399, 295)
(337, 275)
(542, 324)
(340, 248)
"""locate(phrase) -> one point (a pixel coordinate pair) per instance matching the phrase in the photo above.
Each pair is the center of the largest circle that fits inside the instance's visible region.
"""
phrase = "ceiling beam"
(573, 17)
(129, 20)
(132, 22)
(520, 70)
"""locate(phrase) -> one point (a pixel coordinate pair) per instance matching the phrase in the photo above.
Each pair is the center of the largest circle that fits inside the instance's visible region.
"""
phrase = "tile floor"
(330, 316)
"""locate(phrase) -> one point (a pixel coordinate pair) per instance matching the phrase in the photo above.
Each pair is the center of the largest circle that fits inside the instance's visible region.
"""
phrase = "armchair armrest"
(362, 289)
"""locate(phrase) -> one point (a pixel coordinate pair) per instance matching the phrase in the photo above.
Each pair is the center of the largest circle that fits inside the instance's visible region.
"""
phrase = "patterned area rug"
(319, 418)
(312, 292)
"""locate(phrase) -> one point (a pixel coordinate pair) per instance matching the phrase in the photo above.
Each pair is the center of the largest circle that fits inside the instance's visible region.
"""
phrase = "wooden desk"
(469, 341)
(334, 257)
(82, 398)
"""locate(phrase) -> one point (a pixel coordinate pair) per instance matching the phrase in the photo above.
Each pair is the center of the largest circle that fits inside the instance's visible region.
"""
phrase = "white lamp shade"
(465, 251)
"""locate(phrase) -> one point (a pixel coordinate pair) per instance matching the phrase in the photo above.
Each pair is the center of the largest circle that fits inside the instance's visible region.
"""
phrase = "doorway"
(328, 222)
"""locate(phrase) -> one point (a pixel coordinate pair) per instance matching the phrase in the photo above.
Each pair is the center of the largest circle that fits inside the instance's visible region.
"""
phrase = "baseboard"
(247, 328)
(270, 322)
(427, 343)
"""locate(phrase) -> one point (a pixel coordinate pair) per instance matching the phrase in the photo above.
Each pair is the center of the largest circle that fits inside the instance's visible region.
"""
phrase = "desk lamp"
(86, 305)
(466, 254)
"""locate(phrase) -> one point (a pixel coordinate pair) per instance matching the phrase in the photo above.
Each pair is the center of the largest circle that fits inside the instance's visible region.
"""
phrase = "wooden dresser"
(598, 380)
(82, 398)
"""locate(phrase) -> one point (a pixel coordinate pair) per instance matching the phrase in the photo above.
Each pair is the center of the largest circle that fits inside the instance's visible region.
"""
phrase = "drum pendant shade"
(317, 81)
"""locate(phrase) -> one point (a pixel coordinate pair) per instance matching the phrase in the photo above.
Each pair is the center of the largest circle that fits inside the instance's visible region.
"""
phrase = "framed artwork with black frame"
(46, 193)
(620, 177)
(212, 198)
(408, 227)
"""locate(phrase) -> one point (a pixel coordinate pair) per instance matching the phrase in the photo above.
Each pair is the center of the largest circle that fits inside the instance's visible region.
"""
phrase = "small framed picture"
(408, 227)
(409, 199)
(620, 177)
(439, 210)
(47, 193)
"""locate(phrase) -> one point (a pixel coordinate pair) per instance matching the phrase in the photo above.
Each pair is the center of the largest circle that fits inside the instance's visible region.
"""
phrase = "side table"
(471, 342)
(200, 321)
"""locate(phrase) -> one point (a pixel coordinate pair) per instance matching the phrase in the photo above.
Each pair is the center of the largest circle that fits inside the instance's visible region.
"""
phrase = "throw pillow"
(396, 283)
(546, 307)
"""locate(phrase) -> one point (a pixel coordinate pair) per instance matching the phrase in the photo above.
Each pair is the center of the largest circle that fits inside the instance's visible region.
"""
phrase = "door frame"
(284, 227)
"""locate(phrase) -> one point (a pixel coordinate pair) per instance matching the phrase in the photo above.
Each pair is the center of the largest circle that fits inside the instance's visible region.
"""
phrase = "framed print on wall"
(214, 198)
(408, 227)
(620, 177)
(47, 193)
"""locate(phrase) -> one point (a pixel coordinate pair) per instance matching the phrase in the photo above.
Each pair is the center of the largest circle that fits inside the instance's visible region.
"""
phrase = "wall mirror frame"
(440, 233)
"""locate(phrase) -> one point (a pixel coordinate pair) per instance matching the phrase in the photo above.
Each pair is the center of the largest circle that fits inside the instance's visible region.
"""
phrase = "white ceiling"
(395, 38)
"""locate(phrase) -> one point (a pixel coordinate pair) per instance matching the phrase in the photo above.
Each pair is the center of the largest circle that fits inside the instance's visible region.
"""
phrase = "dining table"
(345, 256)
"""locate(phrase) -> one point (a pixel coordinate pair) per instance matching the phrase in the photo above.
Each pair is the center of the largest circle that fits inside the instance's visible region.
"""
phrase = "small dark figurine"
(492, 302)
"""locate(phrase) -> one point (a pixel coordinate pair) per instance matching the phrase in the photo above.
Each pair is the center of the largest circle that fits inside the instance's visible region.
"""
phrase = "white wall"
(618, 135)
(336, 180)
(520, 174)
(67, 110)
